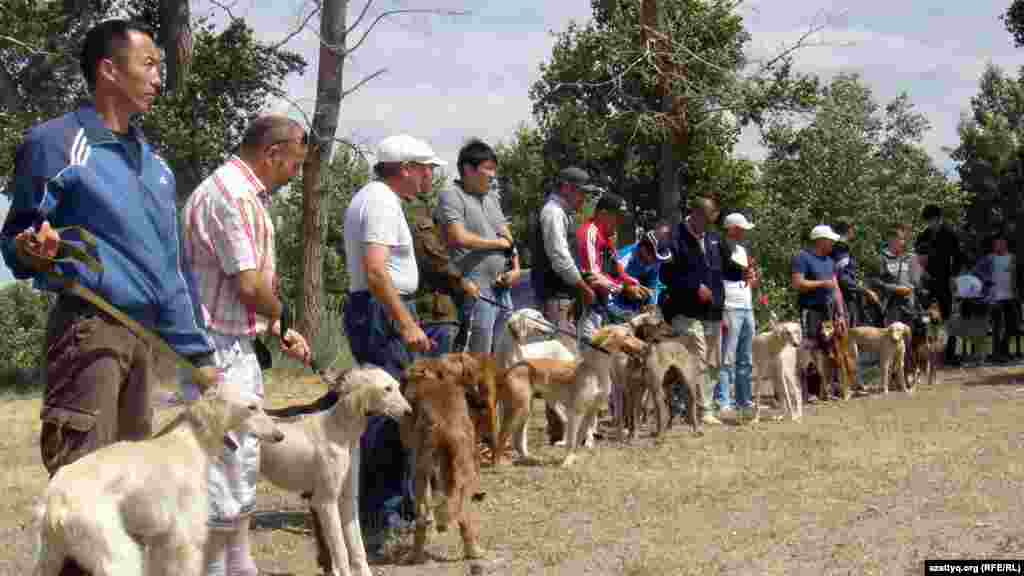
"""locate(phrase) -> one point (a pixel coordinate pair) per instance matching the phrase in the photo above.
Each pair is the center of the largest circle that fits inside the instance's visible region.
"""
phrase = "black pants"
(1005, 322)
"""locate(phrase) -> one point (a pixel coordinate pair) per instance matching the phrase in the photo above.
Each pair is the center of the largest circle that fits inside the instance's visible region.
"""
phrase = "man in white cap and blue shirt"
(380, 316)
(740, 280)
(815, 282)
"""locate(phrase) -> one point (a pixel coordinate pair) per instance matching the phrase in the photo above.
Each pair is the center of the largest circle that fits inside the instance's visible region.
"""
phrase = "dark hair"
(385, 170)
(102, 41)
(931, 211)
(841, 227)
(475, 152)
(266, 131)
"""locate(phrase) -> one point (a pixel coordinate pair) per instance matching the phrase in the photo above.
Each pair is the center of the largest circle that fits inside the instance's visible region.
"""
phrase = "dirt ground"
(872, 486)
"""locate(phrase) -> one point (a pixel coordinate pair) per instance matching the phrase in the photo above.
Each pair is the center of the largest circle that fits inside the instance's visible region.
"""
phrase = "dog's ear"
(333, 377)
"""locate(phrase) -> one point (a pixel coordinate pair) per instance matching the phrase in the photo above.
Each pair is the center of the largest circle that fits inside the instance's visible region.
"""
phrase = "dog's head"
(223, 409)
(897, 331)
(526, 322)
(475, 373)
(789, 333)
(619, 338)
(648, 318)
(369, 389)
(828, 330)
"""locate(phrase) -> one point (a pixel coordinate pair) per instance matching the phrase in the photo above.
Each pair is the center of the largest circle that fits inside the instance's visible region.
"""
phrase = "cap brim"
(435, 161)
(833, 237)
(590, 189)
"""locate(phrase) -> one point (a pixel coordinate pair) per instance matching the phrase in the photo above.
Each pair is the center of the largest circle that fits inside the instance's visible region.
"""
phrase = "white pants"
(234, 474)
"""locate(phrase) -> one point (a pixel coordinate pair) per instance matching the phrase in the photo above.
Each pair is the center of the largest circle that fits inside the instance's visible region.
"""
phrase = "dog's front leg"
(572, 437)
(351, 531)
(424, 507)
(327, 509)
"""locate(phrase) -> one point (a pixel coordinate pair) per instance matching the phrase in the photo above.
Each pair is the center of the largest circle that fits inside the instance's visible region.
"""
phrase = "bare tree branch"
(297, 30)
(26, 46)
(391, 13)
(359, 19)
(363, 81)
(225, 7)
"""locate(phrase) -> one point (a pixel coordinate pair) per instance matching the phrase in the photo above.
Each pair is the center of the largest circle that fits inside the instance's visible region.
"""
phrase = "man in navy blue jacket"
(694, 292)
(92, 168)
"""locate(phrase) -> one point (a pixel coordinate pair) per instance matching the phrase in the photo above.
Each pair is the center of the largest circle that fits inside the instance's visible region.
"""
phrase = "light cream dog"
(891, 345)
(582, 387)
(316, 457)
(134, 508)
(775, 357)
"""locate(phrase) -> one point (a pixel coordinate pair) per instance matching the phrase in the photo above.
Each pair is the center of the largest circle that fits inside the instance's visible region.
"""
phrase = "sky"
(449, 78)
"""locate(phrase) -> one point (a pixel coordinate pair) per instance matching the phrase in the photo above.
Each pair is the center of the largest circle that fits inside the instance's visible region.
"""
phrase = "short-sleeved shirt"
(227, 231)
(814, 267)
(375, 216)
(480, 214)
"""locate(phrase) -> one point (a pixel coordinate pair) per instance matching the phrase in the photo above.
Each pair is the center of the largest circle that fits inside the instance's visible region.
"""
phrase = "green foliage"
(990, 157)
(1013, 19)
(23, 312)
(855, 160)
(232, 78)
(342, 178)
(597, 103)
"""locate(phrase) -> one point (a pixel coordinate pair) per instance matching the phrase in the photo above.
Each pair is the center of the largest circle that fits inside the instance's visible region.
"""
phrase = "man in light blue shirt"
(642, 261)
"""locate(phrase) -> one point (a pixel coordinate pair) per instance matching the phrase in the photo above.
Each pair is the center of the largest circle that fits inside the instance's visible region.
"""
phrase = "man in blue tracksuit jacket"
(91, 168)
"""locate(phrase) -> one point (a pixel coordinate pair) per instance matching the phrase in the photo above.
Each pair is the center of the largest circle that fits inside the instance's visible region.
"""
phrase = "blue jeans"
(488, 320)
(386, 494)
(737, 355)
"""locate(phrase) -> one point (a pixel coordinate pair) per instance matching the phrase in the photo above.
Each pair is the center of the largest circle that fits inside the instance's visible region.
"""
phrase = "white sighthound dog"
(775, 357)
(316, 457)
(134, 508)
(582, 387)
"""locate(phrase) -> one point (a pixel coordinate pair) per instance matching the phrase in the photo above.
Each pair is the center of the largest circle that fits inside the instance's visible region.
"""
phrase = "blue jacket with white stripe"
(73, 171)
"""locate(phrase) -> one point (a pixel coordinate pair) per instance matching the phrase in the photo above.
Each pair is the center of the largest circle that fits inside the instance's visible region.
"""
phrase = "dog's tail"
(49, 545)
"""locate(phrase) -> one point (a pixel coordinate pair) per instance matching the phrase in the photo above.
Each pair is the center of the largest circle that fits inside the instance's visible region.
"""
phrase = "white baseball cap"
(405, 148)
(824, 231)
(737, 219)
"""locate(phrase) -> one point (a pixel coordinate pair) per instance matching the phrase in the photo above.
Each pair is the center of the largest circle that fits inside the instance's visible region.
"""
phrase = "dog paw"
(475, 553)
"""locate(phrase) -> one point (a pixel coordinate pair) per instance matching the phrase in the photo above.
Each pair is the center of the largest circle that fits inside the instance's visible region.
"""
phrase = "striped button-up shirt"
(229, 230)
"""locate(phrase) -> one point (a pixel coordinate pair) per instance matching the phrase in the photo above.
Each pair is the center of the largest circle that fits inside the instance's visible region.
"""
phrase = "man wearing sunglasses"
(229, 246)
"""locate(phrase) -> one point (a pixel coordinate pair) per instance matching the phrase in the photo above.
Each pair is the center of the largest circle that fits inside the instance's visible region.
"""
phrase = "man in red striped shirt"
(229, 246)
(599, 262)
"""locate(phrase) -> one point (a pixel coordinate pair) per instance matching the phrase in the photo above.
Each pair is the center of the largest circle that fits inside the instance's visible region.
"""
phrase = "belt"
(366, 294)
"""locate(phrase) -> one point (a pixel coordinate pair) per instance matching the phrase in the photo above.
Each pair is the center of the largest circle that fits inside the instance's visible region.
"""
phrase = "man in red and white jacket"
(599, 262)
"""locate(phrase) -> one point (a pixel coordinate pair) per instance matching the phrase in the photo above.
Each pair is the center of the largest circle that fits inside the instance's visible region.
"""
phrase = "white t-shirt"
(1002, 277)
(738, 295)
(375, 216)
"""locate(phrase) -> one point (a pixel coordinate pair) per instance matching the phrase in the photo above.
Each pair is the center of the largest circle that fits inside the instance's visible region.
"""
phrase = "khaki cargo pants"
(98, 385)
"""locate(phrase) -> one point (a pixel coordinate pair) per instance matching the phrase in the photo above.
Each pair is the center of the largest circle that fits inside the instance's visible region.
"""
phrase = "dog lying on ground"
(134, 508)
(583, 387)
(315, 458)
(890, 344)
(442, 437)
(775, 356)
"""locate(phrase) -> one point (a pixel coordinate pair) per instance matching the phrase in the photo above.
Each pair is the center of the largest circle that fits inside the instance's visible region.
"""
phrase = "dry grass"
(873, 486)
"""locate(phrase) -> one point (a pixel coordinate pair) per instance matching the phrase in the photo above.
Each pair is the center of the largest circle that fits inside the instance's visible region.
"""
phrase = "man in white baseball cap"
(380, 315)
(740, 280)
(814, 280)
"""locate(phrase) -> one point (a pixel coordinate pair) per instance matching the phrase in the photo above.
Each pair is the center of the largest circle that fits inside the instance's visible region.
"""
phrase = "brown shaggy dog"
(442, 437)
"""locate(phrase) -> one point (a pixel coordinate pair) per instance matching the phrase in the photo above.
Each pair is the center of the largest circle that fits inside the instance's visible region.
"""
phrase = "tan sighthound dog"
(891, 345)
(134, 508)
(582, 387)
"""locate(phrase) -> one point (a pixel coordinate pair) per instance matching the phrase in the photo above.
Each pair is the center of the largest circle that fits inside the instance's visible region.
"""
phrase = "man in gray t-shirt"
(480, 243)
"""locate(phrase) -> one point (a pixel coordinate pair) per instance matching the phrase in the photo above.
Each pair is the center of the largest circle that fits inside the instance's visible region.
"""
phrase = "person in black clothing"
(857, 296)
(940, 252)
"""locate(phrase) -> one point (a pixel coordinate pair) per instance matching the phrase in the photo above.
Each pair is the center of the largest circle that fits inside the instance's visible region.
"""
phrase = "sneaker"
(710, 419)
